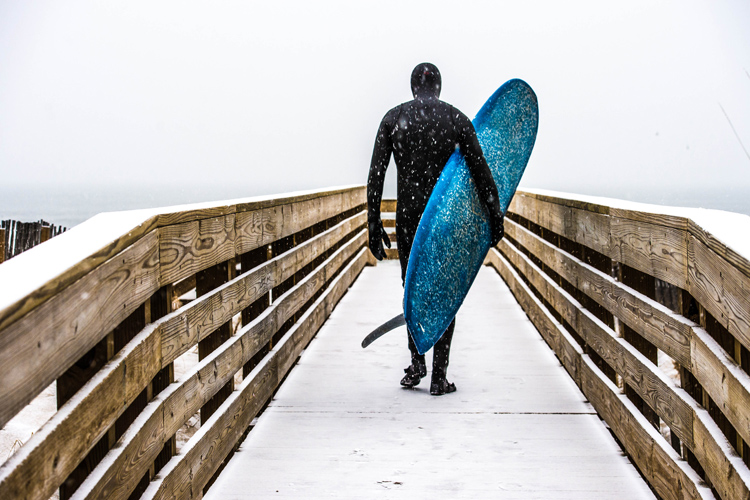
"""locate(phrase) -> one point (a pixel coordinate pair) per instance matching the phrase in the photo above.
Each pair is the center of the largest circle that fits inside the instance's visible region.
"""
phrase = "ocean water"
(70, 205)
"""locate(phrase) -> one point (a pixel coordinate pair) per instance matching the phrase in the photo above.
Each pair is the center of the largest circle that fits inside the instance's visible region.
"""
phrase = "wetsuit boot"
(417, 369)
(439, 384)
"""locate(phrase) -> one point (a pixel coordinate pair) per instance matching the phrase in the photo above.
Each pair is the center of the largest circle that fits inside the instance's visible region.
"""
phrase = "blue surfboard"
(453, 235)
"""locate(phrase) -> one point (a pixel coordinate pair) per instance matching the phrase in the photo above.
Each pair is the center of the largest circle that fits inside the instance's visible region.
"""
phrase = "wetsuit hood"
(426, 81)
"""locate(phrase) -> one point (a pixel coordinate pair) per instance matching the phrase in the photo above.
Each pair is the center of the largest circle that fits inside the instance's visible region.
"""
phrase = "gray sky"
(289, 95)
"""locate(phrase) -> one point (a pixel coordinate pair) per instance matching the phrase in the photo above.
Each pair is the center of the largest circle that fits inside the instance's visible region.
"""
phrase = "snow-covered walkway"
(342, 427)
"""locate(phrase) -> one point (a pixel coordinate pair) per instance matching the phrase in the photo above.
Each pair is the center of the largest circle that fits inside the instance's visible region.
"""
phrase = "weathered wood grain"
(740, 262)
(721, 288)
(57, 284)
(109, 249)
(655, 250)
(185, 249)
(680, 224)
(266, 225)
(726, 471)
(180, 401)
(187, 476)
(723, 379)
(559, 299)
(257, 228)
(715, 370)
(587, 228)
(130, 461)
(133, 276)
(670, 476)
(652, 385)
(550, 216)
(37, 349)
(566, 202)
(195, 321)
(668, 331)
(645, 378)
(200, 211)
(657, 461)
(37, 469)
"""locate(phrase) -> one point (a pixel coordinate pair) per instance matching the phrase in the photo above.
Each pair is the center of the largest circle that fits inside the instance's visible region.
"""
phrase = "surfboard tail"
(386, 327)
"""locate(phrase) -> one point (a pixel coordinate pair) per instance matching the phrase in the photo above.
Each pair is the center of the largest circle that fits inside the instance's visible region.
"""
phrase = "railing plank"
(723, 379)
(185, 249)
(186, 475)
(682, 339)
(93, 306)
(670, 476)
(180, 401)
(658, 251)
(198, 319)
(261, 227)
(80, 316)
(43, 463)
(668, 331)
(658, 462)
(652, 385)
(726, 471)
(721, 288)
(674, 249)
(63, 277)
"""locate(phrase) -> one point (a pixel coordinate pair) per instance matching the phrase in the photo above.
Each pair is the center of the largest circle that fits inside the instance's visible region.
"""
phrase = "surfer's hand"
(498, 230)
(378, 236)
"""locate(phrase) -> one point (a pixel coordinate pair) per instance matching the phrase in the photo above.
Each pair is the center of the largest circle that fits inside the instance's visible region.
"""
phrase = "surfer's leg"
(440, 354)
(418, 367)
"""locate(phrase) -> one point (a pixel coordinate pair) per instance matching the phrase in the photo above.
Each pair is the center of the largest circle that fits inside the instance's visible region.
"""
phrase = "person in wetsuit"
(422, 134)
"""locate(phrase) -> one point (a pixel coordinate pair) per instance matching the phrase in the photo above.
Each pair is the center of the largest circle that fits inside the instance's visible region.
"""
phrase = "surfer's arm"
(481, 174)
(381, 156)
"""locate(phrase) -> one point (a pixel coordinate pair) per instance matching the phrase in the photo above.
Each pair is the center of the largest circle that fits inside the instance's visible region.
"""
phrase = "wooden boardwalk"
(342, 427)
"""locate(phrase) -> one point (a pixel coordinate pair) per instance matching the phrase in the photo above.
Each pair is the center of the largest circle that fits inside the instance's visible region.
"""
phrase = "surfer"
(422, 134)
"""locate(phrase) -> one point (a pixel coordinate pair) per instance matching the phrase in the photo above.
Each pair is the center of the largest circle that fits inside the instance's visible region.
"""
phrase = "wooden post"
(160, 305)
(645, 284)
(278, 247)
(2, 245)
(80, 373)
(248, 261)
(206, 281)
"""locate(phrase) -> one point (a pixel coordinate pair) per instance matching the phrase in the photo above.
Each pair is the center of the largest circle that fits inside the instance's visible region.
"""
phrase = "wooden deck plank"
(342, 426)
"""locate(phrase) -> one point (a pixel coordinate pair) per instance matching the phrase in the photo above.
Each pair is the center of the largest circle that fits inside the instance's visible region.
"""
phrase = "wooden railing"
(92, 311)
(616, 291)
(388, 215)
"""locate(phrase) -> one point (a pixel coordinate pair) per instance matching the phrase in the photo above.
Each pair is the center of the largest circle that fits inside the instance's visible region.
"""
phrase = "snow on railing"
(107, 309)
(624, 293)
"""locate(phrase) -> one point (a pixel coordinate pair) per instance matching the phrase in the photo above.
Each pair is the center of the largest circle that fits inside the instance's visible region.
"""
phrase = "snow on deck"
(341, 426)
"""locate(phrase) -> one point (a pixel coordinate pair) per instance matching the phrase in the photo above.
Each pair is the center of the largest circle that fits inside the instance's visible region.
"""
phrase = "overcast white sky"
(288, 95)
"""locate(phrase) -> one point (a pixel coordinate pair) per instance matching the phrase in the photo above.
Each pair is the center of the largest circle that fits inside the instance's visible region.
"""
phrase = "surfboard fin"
(386, 327)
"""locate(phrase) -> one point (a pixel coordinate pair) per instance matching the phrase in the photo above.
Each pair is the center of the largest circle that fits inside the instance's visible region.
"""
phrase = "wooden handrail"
(304, 250)
(586, 273)
(388, 213)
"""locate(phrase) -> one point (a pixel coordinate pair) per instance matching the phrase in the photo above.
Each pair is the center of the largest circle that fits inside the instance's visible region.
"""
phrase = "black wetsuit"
(422, 134)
